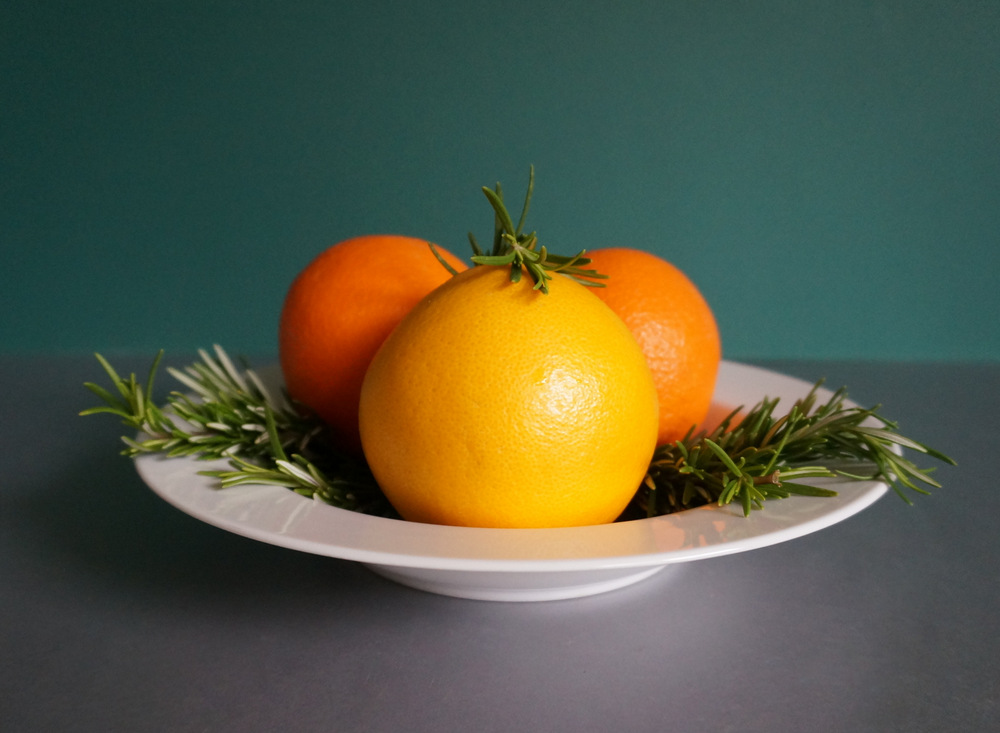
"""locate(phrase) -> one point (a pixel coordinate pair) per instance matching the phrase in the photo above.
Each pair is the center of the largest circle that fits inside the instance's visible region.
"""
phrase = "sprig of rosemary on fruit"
(749, 458)
(230, 413)
(511, 246)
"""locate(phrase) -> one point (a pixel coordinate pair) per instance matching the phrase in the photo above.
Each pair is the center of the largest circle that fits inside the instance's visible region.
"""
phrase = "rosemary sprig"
(520, 251)
(749, 458)
(230, 413)
(759, 456)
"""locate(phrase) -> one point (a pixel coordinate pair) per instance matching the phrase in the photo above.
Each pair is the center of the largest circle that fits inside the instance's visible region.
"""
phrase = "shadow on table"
(100, 520)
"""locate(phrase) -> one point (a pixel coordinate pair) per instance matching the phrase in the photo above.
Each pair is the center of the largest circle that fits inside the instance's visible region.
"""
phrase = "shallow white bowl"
(516, 564)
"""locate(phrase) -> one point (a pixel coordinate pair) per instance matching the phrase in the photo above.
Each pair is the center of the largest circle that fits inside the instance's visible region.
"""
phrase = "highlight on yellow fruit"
(495, 405)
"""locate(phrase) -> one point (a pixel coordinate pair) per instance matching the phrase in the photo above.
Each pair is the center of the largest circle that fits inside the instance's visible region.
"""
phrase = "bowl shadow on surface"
(117, 531)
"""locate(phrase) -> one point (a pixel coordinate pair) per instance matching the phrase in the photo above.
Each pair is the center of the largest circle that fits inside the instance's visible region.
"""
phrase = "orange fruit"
(340, 309)
(495, 405)
(674, 326)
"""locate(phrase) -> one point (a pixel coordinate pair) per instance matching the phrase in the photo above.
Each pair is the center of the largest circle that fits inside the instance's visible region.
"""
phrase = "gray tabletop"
(119, 613)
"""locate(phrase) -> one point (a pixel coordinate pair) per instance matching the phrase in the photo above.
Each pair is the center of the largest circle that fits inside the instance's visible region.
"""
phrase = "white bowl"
(516, 564)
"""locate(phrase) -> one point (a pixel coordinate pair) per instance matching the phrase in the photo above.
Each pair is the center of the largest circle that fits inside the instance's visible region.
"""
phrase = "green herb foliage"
(520, 251)
(758, 456)
(749, 458)
(230, 413)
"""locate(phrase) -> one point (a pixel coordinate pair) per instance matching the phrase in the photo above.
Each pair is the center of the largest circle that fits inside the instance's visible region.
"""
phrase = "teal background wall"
(827, 172)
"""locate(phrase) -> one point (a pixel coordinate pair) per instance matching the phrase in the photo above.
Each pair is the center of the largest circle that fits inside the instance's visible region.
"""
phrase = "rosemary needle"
(229, 413)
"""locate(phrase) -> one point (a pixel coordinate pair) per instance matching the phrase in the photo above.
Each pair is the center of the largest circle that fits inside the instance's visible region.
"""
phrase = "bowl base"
(514, 586)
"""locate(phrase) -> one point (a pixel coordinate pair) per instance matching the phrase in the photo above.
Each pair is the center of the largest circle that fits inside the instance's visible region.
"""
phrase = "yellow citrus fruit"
(674, 326)
(340, 309)
(495, 405)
